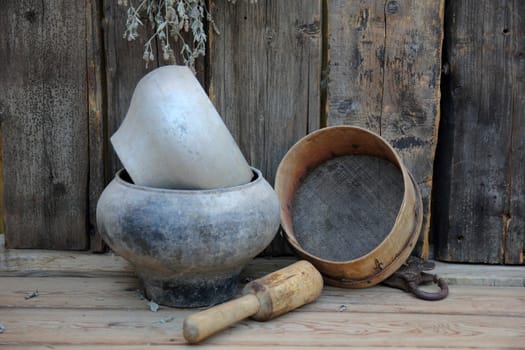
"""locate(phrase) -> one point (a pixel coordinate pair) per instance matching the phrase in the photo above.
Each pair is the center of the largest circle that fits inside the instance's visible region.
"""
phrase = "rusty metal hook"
(431, 296)
(410, 276)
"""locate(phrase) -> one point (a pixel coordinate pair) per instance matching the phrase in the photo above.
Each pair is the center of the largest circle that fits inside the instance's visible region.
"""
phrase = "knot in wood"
(392, 7)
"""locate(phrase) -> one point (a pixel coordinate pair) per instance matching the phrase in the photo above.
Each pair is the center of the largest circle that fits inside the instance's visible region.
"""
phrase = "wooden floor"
(89, 301)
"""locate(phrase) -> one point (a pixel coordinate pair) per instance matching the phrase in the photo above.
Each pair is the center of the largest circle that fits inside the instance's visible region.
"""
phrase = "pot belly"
(186, 242)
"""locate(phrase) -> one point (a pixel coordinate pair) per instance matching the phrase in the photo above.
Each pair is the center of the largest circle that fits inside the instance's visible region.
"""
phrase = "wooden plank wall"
(384, 75)
(67, 93)
(44, 123)
(96, 109)
(480, 195)
(68, 76)
(264, 73)
(124, 67)
(1, 186)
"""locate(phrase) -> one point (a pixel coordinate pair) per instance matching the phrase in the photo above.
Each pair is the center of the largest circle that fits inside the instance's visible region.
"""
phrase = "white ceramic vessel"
(173, 137)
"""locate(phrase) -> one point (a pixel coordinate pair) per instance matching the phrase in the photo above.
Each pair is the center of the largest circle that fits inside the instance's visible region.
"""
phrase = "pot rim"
(257, 177)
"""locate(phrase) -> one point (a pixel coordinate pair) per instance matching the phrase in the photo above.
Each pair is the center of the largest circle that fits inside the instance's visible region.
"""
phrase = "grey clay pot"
(188, 246)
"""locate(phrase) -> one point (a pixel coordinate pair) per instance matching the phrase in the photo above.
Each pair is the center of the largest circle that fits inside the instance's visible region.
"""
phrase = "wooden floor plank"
(79, 326)
(72, 292)
(481, 275)
(120, 327)
(25, 262)
(462, 300)
(90, 301)
(214, 347)
(123, 293)
(28, 262)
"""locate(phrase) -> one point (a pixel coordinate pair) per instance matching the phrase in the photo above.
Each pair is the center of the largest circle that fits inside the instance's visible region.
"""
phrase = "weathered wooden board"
(481, 275)
(106, 312)
(44, 123)
(115, 292)
(120, 327)
(514, 48)
(218, 347)
(357, 40)
(480, 199)
(96, 115)
(32, 262)
(264, 76)
(36, 262)
(384, 75)
(124, 68)
(1, 185)
(123, 293)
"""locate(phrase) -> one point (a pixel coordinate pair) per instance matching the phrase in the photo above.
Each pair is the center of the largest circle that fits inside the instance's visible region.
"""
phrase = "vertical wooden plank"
(515, 224)
(265, 76)
(1, 182)
(44, 123)
(124, 68)
(384, 75)
(265, 73)
(96, 105)
(356, 33)
(293, 76)
(479, 198)
(411, 90)
(237, 74)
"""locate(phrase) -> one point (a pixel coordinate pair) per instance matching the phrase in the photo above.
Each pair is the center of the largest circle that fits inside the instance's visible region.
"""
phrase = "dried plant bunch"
(170, 19)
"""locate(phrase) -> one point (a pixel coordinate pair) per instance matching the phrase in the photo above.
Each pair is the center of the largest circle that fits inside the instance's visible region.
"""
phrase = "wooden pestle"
(263, 299)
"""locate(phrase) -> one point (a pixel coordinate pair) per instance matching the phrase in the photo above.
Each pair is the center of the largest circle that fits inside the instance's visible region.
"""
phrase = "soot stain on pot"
(205, 292)
(141, 219)
(206, 233)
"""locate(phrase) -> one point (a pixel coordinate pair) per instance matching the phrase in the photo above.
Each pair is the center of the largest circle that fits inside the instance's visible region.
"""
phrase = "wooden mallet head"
(263, 299)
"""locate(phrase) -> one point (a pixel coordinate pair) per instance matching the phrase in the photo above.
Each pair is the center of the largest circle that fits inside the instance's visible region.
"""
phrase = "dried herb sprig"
(169, 19)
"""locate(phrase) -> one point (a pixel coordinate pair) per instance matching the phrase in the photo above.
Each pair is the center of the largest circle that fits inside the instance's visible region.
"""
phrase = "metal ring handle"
(421, 294)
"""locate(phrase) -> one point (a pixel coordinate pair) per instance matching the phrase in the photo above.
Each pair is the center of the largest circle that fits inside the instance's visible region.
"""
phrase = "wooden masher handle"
(203, 324)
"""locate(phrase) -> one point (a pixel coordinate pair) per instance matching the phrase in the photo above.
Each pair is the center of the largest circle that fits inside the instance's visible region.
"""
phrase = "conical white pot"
(172, 136)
